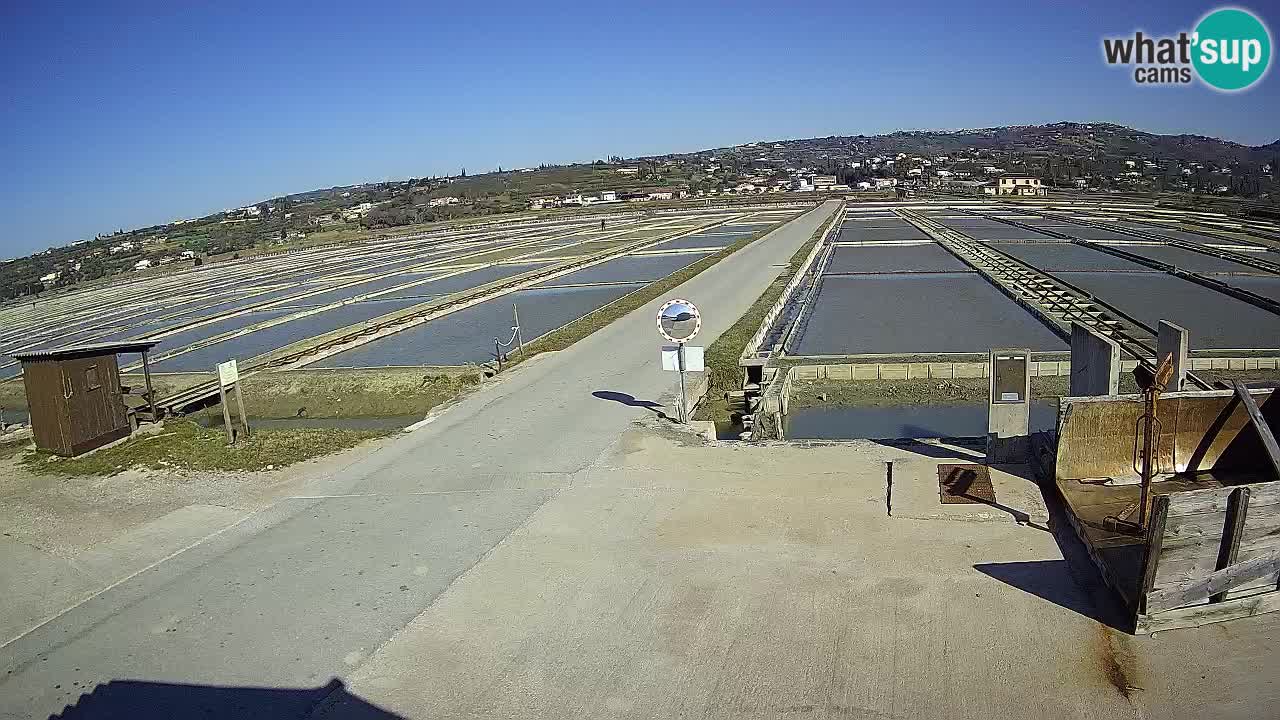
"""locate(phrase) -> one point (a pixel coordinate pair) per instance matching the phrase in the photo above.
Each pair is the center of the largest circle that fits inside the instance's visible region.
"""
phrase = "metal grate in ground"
(970, 484)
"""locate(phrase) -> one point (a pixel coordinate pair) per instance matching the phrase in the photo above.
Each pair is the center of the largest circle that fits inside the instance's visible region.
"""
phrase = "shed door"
(93, 397)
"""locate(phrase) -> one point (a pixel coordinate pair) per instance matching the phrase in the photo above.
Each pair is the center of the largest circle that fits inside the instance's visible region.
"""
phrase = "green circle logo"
(1232, 49)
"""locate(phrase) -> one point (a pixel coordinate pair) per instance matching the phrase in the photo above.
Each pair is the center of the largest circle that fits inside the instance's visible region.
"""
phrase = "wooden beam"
(1155, 539)
(1214, 583)
(1259, 424)
(1197, 615)
(1232, 531)
(151, 393)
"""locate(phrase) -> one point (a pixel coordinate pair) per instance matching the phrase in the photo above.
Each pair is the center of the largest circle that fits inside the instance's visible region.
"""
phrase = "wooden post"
(1232, 530)
(1155, 539)
(226, 414)
(244, 419)
(1259, 424)
(151, 394)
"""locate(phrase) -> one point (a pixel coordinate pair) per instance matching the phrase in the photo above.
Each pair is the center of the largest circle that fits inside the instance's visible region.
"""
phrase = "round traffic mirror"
(679, 320)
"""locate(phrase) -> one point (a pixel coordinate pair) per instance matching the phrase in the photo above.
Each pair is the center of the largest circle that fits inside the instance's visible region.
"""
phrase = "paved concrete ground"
(676, 580)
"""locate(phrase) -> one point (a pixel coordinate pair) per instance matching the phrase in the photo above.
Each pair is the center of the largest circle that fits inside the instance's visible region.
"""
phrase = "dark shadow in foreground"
(631, 401)
(1052, 580)
(142, 700)
(971, 449)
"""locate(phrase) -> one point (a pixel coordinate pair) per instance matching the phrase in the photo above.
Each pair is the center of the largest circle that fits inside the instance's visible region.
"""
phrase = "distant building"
(628, 171)
(543, 203)
(665, 193)
(442, 201)
(1025, 185)
(142, 265)
(823, 182)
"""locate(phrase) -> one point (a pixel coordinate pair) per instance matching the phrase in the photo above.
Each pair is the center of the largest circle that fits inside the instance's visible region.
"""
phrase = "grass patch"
(376, 392)
(722, 355)
(184, 445)
(9, 449)
(596, 319)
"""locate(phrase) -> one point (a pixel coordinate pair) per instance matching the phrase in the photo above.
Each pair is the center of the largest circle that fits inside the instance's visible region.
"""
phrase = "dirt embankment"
(380, 392)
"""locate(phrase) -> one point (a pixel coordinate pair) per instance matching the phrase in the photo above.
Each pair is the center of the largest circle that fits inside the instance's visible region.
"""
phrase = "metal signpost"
(679, 321)
(229, 380)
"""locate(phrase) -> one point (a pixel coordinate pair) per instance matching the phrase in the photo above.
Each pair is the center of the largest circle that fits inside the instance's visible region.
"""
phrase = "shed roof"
(90, 350)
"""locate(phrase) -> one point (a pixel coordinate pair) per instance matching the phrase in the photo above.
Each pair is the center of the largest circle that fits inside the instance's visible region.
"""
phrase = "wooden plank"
(1191, 542)
(226, 413)
(1259, 424)
(1232, 530)
(1181, 567)
(1155, 536)
(1220, 581)
(1215, 499)
(1197, 615)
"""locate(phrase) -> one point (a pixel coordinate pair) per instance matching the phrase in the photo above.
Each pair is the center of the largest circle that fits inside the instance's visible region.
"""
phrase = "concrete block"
(893, 371)
(1267, 363)
(840, 372)
(1128, 365)
(1251, 364)
(805, 372)
(1201, 364)
(1219, 364)
(970, 370)
(1235, 363)
(918, 370)
(1173, 340)
(866, 372)
(1095, 363)
(942, 370)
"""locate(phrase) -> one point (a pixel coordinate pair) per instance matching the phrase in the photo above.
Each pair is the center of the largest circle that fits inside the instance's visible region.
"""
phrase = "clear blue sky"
(128, 114)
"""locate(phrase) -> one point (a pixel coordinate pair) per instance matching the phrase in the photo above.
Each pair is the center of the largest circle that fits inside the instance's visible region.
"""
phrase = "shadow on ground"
(142, 700)
(631, 401)
(1073, 583)
(969, 448)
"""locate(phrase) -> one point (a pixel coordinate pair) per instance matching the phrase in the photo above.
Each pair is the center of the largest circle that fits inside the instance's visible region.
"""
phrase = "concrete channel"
(888, 300)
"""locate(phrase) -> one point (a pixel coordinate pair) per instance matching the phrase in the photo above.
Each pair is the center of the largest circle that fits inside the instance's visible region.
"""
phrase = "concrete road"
(309, 588)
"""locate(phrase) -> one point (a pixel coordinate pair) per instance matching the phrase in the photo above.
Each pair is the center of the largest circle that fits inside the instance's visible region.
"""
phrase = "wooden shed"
(75, 397)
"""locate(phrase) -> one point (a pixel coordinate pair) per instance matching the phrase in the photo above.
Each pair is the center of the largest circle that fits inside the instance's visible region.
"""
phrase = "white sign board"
(693, 358)
(228, 373)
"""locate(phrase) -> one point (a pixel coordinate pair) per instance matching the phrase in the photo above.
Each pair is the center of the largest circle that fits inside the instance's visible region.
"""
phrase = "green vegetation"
(184, 445)
(722, 355)
(9, 449)
(375, 392)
